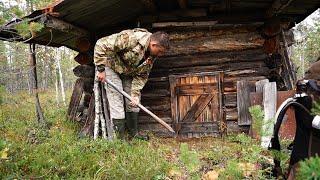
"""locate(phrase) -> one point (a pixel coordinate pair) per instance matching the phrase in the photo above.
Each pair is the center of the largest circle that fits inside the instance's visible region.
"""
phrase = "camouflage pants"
(118, 105)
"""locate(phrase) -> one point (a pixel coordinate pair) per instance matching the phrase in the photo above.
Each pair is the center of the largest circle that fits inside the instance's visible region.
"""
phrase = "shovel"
(141, 106)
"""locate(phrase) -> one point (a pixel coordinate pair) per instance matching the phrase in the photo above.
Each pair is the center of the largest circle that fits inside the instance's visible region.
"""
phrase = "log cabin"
(201, 87)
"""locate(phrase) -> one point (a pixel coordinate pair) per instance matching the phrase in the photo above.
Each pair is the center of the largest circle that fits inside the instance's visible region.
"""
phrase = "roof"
(95, 19)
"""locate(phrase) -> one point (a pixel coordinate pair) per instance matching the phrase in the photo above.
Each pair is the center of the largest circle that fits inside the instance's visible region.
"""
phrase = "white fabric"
(316, 122)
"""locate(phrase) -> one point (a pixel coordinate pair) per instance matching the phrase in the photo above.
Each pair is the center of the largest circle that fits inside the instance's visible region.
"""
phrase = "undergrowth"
(28, 151)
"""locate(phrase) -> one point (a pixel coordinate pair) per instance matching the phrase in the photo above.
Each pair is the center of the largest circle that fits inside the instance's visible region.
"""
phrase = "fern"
(258, 121)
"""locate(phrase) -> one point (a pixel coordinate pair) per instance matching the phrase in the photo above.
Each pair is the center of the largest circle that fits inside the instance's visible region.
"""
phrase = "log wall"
(236, 51)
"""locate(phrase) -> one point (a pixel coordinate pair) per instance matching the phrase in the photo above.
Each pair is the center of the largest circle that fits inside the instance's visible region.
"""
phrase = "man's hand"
(135, 101)
(101, 76)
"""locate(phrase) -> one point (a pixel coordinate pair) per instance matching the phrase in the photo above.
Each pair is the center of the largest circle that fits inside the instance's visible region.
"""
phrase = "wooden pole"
(97, 116)
(34, 84)
(288, 64)
(108, 121)
(141, 106)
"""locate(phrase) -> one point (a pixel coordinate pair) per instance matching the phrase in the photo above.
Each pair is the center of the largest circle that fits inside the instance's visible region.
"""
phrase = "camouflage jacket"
(124, 52)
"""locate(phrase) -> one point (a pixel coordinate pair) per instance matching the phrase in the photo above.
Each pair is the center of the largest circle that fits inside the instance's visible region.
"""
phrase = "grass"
(30, 152)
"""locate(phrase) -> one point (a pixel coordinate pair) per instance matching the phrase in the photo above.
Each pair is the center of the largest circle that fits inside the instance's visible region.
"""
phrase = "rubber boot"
(119, 127)
(132, 124)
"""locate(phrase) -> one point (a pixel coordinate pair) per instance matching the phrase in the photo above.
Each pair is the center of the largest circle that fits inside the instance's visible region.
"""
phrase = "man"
(126, 59)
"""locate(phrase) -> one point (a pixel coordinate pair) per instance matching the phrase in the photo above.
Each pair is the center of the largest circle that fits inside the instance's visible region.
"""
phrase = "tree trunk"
(61, 79)
(57, 87)
(9, 58)
(32, 61)
(59, 76)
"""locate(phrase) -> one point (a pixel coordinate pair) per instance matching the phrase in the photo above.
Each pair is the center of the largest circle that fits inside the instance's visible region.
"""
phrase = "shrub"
(309, 169)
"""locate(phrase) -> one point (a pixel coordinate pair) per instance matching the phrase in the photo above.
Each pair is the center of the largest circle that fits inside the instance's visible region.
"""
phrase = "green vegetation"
(26, 29)
(306, 50)
(27, 151)
(190, 160)
(309, 169)
(259, 125)
(315, 110)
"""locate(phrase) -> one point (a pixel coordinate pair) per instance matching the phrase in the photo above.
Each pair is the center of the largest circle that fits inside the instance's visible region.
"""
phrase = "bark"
(57, 89)
(108, 120)
(32, 60)
(61, 78)
(98, 109)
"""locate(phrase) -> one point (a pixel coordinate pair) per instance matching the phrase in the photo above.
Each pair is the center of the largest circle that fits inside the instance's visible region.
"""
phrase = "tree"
(306, 49)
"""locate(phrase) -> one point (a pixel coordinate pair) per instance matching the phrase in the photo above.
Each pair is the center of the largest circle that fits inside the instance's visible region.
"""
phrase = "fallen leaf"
(4, 153)
(211, 175)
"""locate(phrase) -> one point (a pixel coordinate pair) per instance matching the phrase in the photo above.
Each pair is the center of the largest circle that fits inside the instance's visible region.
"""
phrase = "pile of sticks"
(102, 119)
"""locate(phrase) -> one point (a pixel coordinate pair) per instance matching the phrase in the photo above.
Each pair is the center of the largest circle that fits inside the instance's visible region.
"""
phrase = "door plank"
(197, 108)
(174, 102)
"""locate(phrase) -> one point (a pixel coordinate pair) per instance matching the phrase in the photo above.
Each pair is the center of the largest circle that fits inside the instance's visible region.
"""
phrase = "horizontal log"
(165, 106)
(253, 78)
(158, 79)
(257, 66)
(216, 44)
(231, 114)
(151, 85)
(209, 127)
(143, 119)
(63, 26)
(156, 93)
(230, 100)
(211, 59)
(183, 24)
(159, 113)
(218, 30)
(153, 127)
(233, 127)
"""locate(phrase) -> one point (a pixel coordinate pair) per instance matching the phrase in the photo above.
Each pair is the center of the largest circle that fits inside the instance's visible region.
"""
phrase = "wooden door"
(196, 103)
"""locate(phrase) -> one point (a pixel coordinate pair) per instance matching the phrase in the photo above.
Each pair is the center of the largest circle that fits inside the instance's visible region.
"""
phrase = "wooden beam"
(276, 7)
(287, 63)
(60, 25)
(198, 107)
(184, 24)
